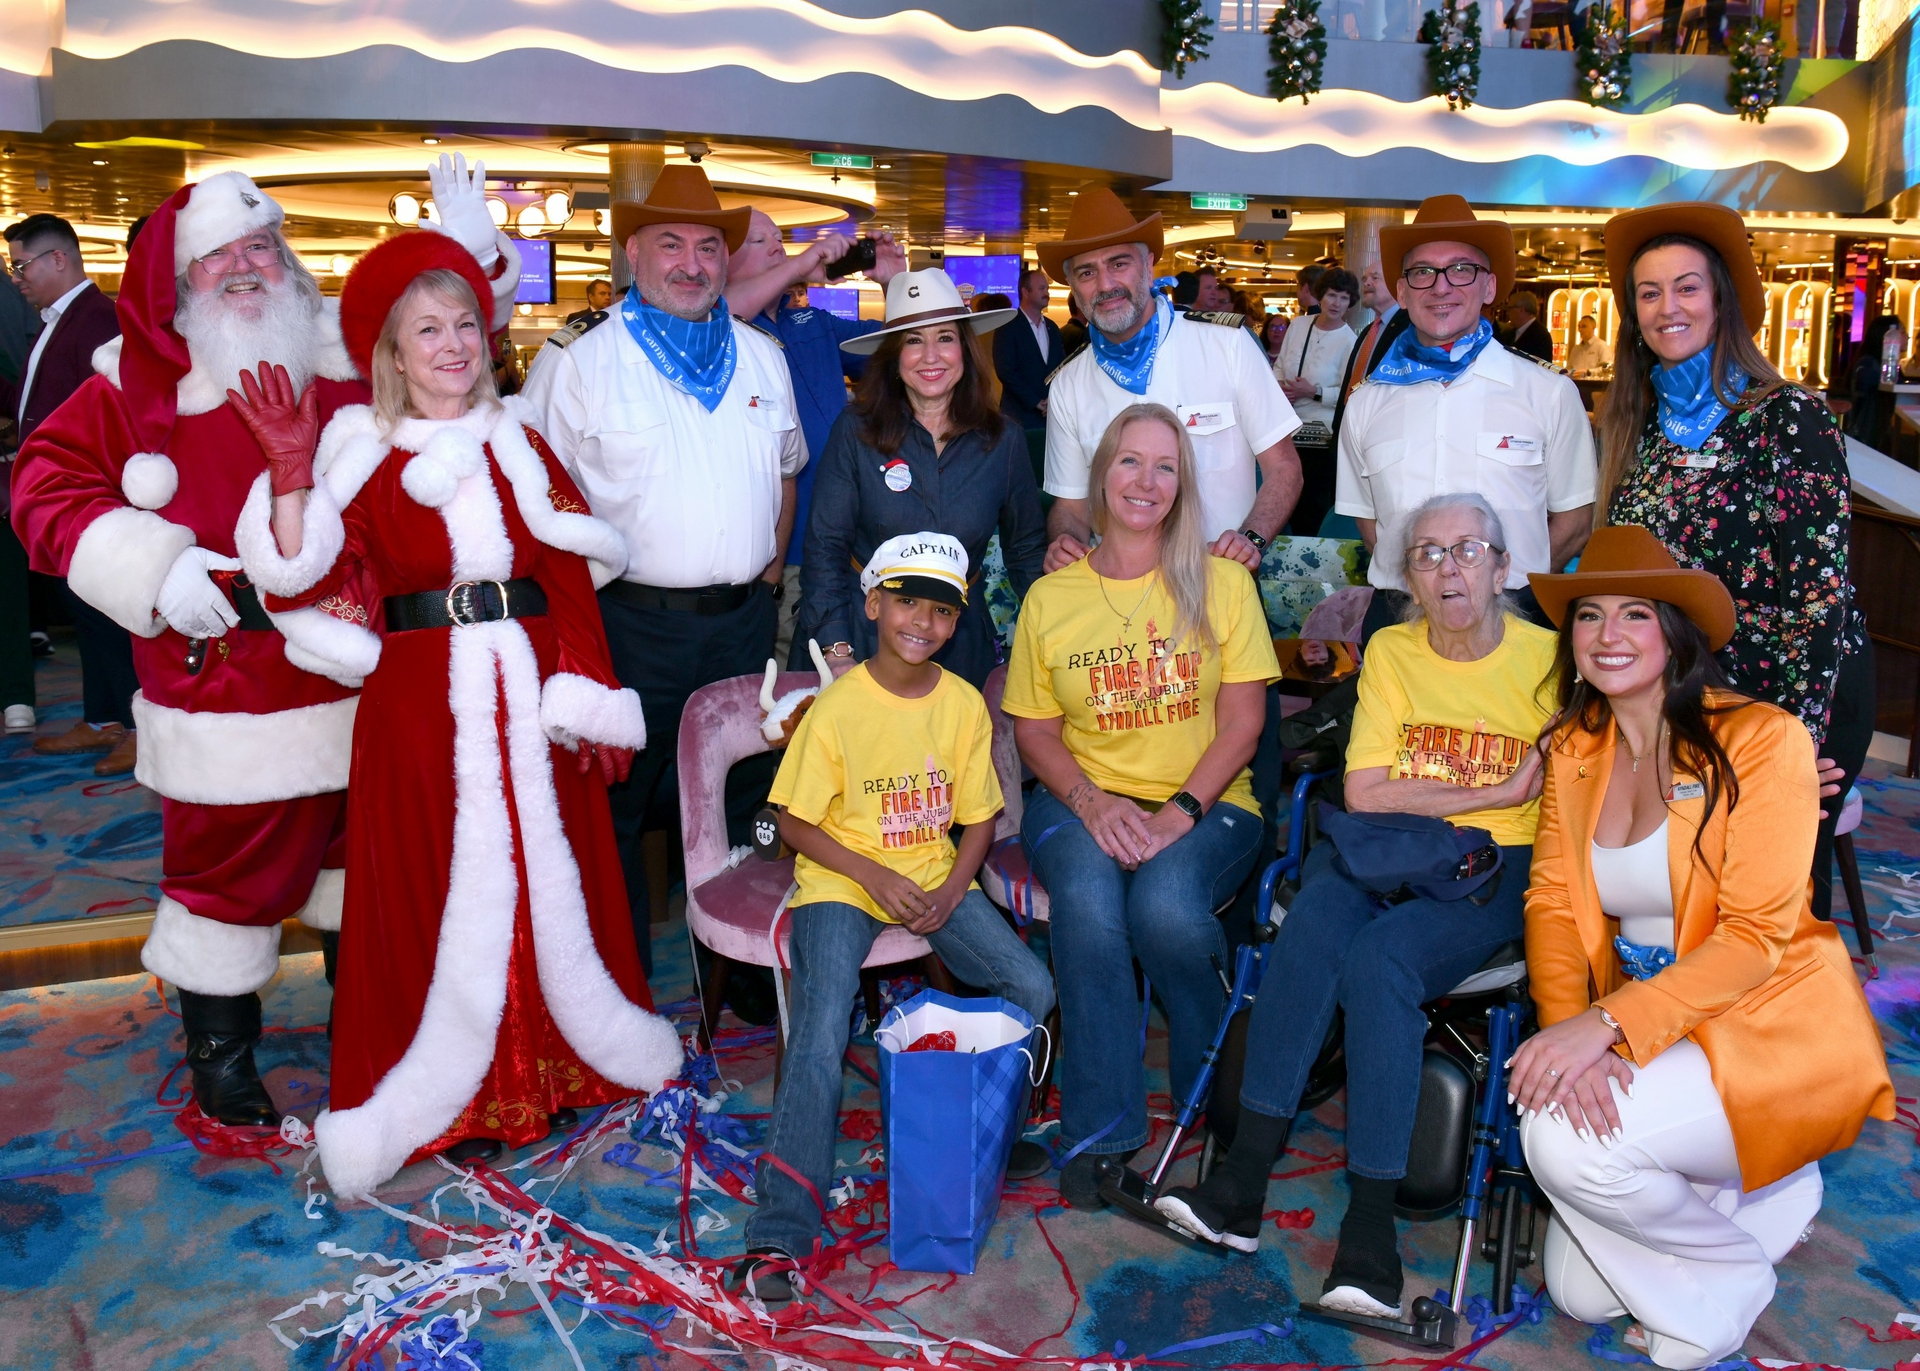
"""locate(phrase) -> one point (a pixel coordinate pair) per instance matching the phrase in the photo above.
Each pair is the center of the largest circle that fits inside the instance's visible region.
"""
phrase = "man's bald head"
(763, 249)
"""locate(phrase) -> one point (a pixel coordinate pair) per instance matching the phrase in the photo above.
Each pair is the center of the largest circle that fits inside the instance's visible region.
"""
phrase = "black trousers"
(1319, 473)
(664, 656)
(107, 679)
(16, 647)
(1849, 735)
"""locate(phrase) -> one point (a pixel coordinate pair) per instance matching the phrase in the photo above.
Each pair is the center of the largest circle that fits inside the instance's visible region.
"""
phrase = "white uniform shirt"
(695, 494)
(1215, 378)
(1509, 429)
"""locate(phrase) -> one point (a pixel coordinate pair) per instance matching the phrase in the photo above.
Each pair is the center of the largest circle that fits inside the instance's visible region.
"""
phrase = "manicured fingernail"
(1509, 1097)
(1581, 1134)
(1619, 1135)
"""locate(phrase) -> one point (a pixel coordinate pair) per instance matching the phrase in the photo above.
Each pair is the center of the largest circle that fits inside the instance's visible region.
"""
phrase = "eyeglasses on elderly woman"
(1467, 554)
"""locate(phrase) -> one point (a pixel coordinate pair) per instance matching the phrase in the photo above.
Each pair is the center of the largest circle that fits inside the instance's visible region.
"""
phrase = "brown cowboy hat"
(1098, 221)
(1718, 227)
(1448, 219)
(1628, 560)
(681, 195)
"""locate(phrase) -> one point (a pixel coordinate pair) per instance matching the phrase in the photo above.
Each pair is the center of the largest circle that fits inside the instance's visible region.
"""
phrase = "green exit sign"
(846, 161)
(1214, 199)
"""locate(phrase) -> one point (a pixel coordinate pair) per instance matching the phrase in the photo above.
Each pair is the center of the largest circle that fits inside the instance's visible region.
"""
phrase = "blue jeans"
(1104, 917)
(829, 942)
(1379, 966)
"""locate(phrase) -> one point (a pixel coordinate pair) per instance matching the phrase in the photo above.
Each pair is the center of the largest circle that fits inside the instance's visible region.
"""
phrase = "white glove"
(190, 602)
(460, 197)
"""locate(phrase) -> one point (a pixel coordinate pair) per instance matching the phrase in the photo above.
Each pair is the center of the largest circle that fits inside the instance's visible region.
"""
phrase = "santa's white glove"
(190, 602)
(460, 197)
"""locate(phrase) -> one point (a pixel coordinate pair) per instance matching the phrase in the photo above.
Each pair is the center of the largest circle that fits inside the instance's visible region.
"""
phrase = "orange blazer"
(1763, 987)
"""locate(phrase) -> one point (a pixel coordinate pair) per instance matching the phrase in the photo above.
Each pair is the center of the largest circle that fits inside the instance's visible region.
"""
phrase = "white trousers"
(1656, 1225)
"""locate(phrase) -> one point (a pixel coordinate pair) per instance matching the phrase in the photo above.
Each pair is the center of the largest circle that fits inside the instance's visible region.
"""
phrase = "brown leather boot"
(120, 761)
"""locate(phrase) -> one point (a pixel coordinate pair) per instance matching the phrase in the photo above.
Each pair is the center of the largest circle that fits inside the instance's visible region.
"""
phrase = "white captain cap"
(930, 565)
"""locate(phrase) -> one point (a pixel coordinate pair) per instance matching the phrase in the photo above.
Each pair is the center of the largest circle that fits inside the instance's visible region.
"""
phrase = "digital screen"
(842, 302)
(998, 273)
(536, 272)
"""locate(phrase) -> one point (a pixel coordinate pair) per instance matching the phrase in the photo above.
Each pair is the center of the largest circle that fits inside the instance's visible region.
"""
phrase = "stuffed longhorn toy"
(783, 715)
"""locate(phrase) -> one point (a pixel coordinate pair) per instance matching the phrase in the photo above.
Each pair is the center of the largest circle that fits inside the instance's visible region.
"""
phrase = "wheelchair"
(1465, 1153)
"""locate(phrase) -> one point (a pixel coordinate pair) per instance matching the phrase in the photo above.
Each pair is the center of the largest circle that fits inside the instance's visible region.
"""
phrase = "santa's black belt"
(246, 603)
(705, 600)
(465, 603)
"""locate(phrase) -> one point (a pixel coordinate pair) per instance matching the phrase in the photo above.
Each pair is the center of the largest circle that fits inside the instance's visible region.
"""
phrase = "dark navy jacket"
(812, 339)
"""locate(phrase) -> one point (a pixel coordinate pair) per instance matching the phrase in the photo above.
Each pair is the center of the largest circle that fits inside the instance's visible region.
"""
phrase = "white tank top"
(1636, 888)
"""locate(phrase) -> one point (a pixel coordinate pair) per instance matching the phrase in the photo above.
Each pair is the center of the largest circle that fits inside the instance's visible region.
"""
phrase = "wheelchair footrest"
(1127, 1190)
(1431, 1324)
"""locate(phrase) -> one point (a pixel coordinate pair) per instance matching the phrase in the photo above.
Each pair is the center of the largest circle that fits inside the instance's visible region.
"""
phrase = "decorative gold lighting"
(404, 209)
(497, 210)
(179, 144)
(559, 208)
(340, 264)
(603, 222)
(532, 221)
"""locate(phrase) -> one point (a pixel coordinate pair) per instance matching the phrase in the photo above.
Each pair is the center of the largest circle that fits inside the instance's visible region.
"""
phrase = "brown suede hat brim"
(1719, 227)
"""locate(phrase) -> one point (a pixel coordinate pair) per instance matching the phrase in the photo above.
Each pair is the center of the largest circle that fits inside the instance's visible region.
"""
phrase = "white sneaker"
(20, 719)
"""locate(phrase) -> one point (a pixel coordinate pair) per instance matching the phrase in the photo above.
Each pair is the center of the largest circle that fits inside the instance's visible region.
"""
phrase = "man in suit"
(1389, 322)
(1529, 334)
(1026, 353)
(76, 319)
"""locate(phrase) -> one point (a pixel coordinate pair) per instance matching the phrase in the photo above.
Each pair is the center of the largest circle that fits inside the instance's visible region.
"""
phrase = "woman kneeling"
(1450, 706)
(1675, 834)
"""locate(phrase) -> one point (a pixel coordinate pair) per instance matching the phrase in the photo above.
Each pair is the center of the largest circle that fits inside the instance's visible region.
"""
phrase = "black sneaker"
(766, 1272)
(1192, 1210)
(1366, 1279)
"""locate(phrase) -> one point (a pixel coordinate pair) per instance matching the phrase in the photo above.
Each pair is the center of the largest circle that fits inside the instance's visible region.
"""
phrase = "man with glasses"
(75, 319)
(1447, 409)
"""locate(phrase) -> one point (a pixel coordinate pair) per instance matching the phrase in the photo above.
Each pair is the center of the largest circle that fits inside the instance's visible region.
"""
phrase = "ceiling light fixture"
(532, 221)
(404, 209)
(340, 264)
(431, 142)
(497, 211)
(559, 208)
(603, 222)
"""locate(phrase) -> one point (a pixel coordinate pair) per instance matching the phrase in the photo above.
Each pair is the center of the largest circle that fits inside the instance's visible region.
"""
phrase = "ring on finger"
(1552, 1074)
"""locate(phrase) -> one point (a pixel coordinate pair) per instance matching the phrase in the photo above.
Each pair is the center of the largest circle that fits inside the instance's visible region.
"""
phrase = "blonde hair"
(1185, 564)
(391, 400)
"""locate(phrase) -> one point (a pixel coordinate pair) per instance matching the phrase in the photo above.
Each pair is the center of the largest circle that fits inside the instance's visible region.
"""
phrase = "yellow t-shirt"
(1137, 709)
(1469, 723)
(886, 777)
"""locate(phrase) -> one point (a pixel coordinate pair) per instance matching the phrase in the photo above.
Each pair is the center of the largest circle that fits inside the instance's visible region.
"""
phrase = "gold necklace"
(1658, 733)
(1126, 625)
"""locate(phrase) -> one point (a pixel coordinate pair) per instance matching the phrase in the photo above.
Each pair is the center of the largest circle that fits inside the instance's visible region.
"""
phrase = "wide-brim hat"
(916, 299)
(1626, 559)
(680, 195)
(1099, 220)
(382, 276)
(1449, 219)
(1720, 228)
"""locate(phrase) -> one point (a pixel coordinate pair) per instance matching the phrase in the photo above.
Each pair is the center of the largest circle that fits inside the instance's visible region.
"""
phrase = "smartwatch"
(1254, 538)
(1186, 804)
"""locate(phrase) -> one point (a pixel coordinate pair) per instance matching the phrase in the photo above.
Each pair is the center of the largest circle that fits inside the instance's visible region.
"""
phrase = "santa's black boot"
(330, 963)
(221, 1032)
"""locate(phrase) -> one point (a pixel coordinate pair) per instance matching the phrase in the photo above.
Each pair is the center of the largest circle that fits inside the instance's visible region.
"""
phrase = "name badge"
(1517, 442)
(1689, 790)
(1697, 461)
(1200, 420)
(897, 474)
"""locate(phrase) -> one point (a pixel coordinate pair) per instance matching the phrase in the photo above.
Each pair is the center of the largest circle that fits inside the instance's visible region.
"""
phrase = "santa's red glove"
(615, 762)
(287, 431)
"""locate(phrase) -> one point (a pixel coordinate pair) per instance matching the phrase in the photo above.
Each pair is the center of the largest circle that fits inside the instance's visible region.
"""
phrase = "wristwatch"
(1186, 804)
(1254, 538)
(1619, 1033)
(842, 649)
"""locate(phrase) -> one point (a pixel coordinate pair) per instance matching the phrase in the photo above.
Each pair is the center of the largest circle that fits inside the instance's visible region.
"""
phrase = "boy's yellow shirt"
(886, 777)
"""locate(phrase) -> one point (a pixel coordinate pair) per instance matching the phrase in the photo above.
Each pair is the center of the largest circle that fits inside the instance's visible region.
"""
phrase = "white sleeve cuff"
(322, 536)
(119, 563)
(327, 646)
(507, 284)
(575, 709)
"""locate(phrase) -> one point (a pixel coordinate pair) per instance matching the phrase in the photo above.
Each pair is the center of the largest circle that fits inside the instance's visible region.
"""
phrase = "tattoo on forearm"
(1080, 794)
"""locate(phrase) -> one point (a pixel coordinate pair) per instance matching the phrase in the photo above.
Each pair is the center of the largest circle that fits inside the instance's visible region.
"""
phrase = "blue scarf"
(1408, 361)
(1130, 364)
(1640, 962)
(698, 358)
(1689, 410)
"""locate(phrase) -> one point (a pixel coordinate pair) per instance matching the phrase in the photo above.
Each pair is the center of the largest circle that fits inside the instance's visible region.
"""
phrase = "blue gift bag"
(950, 1118)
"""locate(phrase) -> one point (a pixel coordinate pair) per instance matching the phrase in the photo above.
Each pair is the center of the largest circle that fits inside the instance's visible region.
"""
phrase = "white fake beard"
(223, 341)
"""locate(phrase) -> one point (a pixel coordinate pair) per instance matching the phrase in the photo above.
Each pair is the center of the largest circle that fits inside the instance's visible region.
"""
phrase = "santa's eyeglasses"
(222, 260)
(1457, 274)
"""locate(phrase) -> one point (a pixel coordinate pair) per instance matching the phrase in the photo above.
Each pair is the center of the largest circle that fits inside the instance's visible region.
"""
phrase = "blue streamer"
(441, 1346)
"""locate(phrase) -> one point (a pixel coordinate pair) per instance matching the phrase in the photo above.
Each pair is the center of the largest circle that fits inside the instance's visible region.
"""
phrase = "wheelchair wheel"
(1329, 1073)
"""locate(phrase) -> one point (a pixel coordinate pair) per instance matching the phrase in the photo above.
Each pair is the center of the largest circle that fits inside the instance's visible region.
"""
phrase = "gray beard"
(1140, 310)
(222, 342)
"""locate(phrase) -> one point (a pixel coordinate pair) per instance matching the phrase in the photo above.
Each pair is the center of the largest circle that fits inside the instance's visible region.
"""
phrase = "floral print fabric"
(1764, 504)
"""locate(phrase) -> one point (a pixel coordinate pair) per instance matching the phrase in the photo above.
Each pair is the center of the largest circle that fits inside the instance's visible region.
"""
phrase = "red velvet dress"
(487, 972)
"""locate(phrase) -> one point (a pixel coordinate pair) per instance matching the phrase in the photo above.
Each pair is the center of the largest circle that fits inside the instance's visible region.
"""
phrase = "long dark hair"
(886, 413)
(1692, 670)
(1623, 416)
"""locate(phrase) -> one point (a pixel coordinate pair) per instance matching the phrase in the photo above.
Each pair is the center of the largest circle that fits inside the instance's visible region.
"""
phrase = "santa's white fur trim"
(149, 480)
(322, 535)
(225, 206)
(199, 393)
(207, 956)
(322, 909)
(119, 563)
(350, 451)
(203, 757)
(328, 646)
(451, 455)
(575, 707)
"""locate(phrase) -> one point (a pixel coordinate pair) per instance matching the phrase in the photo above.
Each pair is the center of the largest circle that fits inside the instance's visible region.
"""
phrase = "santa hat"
(380, 278)
(225, 206)
(153, 357)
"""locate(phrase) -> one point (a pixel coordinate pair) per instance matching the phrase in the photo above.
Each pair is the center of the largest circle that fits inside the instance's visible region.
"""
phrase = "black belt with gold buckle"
(466, 603)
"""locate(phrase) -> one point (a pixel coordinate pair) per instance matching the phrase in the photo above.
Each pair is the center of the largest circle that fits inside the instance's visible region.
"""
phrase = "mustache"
(692, 278)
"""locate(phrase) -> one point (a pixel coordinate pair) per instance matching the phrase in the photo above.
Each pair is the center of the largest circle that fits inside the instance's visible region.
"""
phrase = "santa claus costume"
(131, 491)
(488, 972)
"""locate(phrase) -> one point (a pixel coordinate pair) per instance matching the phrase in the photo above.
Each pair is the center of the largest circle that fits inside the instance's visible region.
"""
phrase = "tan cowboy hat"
(1626, 559)
(681, 195)
(1718, 227)
(1449, 219)
(918, 298)
(1098, 221)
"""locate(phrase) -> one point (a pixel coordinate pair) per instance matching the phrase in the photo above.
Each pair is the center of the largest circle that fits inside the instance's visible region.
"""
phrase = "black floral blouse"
(1770, 517)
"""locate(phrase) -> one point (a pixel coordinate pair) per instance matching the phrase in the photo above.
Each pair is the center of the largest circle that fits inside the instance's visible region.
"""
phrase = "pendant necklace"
(1658, 733)
(1126, 624)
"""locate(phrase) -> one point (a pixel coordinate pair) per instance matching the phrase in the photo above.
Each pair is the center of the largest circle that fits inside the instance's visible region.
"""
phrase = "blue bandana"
(1407, 361)
(1642, 963)
(1689, 410)
(698, 358)
(1130, 364)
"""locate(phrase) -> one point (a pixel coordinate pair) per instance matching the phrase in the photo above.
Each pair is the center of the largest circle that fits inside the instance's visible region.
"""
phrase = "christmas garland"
(1452, 36)
(1602, 59)
(1297, 43)
(1186, 36)
(1753, 79)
